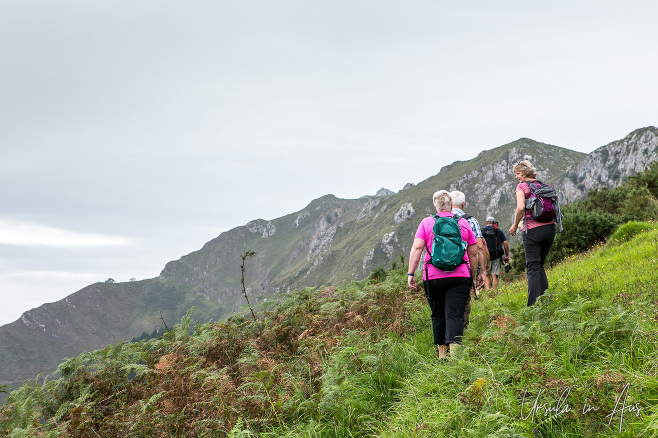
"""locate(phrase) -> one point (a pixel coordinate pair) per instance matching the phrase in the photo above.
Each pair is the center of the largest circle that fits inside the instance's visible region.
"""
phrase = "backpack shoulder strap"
(436, 219)
(533, 184)
(429, 248)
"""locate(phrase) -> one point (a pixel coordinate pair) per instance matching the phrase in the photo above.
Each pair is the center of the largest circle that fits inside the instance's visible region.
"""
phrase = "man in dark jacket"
(498, 251)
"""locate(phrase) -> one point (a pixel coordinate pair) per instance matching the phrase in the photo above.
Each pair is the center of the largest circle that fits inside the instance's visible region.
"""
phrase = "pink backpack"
(541, 203)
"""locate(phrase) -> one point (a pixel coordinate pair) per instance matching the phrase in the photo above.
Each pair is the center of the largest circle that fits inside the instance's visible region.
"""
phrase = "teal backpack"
(448, 248)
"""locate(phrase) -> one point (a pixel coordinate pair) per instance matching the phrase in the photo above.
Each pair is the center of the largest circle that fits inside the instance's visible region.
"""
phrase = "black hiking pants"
(537, 243)
(447, 298)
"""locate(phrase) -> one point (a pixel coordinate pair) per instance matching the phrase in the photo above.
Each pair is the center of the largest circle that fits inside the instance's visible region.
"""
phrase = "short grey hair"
(458, 198)
(442, 201)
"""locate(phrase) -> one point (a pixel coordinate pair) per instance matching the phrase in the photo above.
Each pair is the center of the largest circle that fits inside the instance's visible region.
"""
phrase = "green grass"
(358, 361)
(629, 230)
(594, 332)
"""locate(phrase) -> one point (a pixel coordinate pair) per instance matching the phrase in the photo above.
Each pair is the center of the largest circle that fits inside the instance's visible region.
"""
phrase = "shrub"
(581, 232)
(378, 275)
(517, 258)
(629, 230)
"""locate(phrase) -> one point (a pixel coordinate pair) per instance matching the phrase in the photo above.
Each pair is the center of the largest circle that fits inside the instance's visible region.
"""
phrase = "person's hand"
(480, 281)
(512, 230)
(411, 281)
(506, 259)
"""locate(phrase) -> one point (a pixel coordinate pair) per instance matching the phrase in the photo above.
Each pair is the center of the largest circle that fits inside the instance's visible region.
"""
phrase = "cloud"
(34, 235)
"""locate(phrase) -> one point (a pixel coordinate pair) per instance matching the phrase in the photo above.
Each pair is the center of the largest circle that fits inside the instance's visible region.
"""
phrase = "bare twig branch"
(247, 253)
(163, 321)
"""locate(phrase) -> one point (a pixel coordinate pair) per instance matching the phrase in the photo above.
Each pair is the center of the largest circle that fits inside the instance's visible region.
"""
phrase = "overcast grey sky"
(131, 133)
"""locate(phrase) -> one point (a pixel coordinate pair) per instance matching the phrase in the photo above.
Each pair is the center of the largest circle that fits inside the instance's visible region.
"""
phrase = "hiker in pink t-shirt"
(447, 291)
(537, 236)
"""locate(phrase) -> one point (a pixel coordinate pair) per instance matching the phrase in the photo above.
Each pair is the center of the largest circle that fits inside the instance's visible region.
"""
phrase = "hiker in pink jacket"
(447, 291)
(537, 236)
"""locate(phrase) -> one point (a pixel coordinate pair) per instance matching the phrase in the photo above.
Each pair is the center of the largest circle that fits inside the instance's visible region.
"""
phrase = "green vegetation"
(358, 361)
(629, 230)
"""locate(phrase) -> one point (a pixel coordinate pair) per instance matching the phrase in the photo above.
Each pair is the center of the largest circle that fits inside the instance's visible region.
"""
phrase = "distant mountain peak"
(383, 192)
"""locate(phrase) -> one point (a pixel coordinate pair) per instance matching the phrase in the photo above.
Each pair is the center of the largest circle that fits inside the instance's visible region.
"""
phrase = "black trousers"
(537, 243)
(447, 298)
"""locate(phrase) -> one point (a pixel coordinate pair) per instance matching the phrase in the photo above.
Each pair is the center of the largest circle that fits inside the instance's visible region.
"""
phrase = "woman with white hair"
(447, 291)
(538, 236)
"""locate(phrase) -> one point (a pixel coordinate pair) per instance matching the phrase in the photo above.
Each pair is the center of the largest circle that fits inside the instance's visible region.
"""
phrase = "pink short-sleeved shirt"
(530, 223)
(425, 232)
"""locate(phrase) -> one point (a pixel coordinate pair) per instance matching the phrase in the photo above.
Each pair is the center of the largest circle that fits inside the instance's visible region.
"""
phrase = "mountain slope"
(328, 242)
(90, 318)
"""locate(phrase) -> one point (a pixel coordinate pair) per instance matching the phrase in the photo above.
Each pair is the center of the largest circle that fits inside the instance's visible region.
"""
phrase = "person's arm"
(518, 213)
(483, 259)
(506, 246)
(414, 258)
(472, 251)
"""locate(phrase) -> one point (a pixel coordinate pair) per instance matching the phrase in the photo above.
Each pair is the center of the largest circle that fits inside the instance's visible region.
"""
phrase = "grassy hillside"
(358, 361)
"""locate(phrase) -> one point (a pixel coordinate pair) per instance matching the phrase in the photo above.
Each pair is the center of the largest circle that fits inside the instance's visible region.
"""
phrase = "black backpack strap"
(525, 211)
(534, 181)
(426, 283)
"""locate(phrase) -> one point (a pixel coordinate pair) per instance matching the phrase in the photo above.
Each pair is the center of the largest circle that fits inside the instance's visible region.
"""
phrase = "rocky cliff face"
(610, 165)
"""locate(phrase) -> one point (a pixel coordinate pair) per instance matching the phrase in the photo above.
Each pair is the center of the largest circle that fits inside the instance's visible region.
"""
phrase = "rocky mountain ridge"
(609, 165)
(330, 241)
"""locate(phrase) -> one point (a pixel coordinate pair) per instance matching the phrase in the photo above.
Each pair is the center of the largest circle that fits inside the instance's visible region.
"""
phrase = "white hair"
(442, 201)
(458, 198)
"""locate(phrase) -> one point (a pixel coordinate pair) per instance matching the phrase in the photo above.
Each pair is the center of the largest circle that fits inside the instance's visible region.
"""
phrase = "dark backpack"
(448, 248)
(541, 205)
(495, 246)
